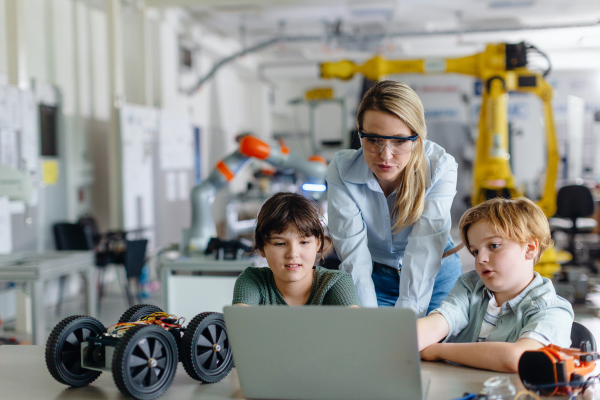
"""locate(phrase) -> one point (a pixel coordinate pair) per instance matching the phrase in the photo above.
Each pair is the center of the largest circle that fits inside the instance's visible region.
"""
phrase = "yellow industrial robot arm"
(501, 67)
(491, 61)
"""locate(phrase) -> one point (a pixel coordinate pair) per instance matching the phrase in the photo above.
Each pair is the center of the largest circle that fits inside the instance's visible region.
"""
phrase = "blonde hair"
(399, 99)
(518, 219)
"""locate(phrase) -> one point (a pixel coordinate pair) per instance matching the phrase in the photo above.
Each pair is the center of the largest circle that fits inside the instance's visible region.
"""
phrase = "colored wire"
(467, 396)
(156, 318)
(589, 381)
(592, 380)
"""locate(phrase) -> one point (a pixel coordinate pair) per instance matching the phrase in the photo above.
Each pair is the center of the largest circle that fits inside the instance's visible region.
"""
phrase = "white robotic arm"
(203, 195)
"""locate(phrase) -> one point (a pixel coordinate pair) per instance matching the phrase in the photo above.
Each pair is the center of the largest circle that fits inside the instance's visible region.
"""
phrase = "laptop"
(326, 352)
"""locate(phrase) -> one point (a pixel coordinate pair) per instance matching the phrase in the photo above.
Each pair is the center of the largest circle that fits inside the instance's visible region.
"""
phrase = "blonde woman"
(389, 205)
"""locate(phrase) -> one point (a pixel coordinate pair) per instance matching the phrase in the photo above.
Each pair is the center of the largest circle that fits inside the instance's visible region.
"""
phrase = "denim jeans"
(387, 281)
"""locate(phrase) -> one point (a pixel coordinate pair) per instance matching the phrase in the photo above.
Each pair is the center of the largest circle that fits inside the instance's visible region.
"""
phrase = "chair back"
(574, 201)
(90, 223)
(69, 236)
(135, 256)
(580, 334)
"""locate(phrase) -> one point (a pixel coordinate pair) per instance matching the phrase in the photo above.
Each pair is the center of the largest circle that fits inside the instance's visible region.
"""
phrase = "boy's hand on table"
(493, 356)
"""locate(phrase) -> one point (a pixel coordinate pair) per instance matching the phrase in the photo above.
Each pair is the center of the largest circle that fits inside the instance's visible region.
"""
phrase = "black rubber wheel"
(205, 351)
(145, 362)
(138, 312)
(63, 350)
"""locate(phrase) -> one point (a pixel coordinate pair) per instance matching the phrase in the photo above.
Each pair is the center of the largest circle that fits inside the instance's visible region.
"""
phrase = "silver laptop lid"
(325, 352)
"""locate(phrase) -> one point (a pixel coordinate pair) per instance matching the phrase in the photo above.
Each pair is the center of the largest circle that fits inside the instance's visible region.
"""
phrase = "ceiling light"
(314, 187)
(372, 9)
(510, 3)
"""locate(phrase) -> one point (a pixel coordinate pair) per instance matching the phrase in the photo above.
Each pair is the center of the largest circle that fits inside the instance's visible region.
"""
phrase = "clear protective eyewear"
(398, 145)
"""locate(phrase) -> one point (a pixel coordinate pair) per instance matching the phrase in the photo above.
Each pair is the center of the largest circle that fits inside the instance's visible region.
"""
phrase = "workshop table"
(24, 376)
(205, 285)
(38, 268)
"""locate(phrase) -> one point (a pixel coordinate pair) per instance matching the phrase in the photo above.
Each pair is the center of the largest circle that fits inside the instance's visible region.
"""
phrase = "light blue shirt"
(536, 313)
(360, 221)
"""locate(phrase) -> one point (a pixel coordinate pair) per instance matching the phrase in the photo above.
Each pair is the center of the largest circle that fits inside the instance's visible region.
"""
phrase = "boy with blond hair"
(503, 308)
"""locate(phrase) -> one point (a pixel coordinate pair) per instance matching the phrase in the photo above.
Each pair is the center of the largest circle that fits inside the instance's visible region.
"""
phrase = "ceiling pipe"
(366, 38)
(245, 51)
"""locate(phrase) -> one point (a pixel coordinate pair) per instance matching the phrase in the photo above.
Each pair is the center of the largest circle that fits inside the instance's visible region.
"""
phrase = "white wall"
(38, 37)
(3, 64)
(99, 68)
(258, 111)
(61, 70)
(84, 59)
(133, 51)
(586, 85)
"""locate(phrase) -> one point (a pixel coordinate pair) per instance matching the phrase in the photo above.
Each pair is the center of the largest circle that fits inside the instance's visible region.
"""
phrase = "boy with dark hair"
(289, 234)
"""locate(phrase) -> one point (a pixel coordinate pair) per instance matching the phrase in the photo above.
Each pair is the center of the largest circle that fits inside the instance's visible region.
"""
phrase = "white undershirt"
(491, 319)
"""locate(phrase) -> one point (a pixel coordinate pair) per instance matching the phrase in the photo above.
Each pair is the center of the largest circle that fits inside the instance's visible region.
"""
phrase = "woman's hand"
(431, 353)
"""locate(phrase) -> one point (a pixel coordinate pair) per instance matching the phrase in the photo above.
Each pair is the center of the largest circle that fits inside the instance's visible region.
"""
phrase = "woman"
(389, 205)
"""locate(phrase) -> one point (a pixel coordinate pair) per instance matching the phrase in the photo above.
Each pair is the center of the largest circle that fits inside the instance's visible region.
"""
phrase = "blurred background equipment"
(15, 184)
(278, 155)
(111, 248)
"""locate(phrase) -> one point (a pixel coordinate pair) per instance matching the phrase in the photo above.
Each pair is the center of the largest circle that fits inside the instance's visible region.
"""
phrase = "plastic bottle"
(499, 388)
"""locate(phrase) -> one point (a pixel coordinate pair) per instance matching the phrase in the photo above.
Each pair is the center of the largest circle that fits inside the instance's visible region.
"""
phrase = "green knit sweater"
(256, 286)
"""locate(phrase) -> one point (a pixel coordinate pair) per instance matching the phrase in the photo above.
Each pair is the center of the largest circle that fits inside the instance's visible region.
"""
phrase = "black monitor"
(49, 130)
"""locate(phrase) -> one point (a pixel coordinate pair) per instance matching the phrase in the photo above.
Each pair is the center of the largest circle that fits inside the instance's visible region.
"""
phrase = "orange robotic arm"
(203, 195)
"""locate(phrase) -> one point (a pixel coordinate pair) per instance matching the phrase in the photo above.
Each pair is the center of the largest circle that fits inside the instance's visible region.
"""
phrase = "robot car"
(141, 350)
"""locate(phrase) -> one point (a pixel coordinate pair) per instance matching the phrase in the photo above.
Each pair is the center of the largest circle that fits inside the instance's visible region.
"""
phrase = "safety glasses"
(398, 145)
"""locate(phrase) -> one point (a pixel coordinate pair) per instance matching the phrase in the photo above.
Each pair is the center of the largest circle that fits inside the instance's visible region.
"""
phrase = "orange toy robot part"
(555, 370)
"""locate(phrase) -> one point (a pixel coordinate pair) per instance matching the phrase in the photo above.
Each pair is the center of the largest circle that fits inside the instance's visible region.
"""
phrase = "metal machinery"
(203, 195)
(15, 184)
(314, 99)
(502, 69)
